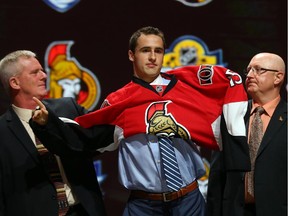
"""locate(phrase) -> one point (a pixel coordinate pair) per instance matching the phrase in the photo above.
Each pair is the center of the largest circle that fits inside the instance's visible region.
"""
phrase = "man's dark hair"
(148, 30)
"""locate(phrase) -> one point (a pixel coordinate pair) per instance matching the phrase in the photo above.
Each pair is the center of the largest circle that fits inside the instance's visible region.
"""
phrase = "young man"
(181, 107)
(265, 193)
(25, 186)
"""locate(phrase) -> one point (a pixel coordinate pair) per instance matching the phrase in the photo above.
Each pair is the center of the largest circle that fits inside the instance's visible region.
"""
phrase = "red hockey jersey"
(190, 107)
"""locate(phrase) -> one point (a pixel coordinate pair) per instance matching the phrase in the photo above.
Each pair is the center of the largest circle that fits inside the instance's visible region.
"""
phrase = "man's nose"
(152, 55)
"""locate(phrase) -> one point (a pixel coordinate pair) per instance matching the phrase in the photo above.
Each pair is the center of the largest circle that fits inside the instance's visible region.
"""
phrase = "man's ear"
(131, 55)
(279, 78)
(14, 83)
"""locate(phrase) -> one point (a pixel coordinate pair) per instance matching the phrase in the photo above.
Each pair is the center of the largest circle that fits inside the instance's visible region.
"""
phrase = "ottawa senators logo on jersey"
(205, 74)
(159, 122)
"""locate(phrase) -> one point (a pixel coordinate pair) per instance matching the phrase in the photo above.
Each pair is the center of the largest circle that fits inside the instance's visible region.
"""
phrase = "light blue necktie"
(170, 165)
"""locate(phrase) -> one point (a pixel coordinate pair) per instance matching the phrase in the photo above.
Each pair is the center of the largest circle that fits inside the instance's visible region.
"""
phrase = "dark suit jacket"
(25, 188)
(226, 188)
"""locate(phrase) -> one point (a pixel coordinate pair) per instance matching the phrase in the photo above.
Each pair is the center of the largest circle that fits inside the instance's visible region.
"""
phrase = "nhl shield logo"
(61, 5)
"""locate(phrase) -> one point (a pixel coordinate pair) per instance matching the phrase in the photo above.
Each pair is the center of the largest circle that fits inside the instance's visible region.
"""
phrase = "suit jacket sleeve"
(62, 138)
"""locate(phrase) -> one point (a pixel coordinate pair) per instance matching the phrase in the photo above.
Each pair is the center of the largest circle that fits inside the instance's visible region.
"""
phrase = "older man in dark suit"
(25, 187)
(263, 190)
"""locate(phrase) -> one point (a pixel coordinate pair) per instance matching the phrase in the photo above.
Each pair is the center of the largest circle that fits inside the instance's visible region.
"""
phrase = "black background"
(101, 30)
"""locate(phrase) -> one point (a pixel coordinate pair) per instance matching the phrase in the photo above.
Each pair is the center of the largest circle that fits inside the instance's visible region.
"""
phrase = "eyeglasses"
(258, 70)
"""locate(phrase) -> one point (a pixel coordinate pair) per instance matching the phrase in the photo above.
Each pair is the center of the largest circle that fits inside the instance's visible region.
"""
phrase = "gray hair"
(9, 66)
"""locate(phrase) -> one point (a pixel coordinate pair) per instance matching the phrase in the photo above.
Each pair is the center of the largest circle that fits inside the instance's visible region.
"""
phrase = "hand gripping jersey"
(190, 107)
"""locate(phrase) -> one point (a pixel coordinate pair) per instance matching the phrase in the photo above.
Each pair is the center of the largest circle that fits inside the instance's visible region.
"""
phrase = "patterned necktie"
(255, 138)
(170, 165)
(51, 165)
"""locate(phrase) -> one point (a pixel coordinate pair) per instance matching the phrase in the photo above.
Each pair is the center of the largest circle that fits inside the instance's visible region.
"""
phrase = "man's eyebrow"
(148, 47)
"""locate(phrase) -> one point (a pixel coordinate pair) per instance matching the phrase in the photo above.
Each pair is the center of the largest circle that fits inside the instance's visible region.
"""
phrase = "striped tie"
(170, 165)
(51, 165)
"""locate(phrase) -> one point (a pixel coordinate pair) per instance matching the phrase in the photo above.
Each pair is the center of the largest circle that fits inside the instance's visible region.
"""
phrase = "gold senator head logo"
(159, 121)
(67, 78)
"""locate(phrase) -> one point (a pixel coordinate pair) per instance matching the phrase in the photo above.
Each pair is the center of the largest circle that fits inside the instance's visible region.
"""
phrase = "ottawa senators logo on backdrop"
(158, 121)
(67, 78)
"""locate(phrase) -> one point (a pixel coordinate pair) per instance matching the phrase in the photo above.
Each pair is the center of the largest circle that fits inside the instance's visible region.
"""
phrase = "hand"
(40, 114)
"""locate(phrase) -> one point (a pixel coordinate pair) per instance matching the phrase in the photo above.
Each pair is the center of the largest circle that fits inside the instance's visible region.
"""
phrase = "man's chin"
(251, 90)
(42, 95)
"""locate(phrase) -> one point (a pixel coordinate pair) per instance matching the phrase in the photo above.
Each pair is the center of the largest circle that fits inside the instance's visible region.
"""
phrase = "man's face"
(148, 57)
(32, 79)
(263, 83)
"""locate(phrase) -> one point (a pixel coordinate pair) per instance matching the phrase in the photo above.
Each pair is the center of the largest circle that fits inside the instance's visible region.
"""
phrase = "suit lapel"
(16, 127)
(247, 117)
(278, 119)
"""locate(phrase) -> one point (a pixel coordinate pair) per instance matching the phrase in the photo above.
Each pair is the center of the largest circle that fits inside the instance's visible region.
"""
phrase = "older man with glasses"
(263, 190)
